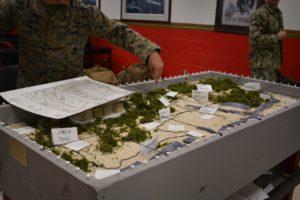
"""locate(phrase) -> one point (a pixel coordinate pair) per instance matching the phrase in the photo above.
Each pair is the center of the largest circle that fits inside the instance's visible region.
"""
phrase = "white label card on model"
(207, 88)
(151, 125)
(171, 94)
(149, 146)
(195, 134)
(200, 95)
(175, 127)
(101, 174)
(164, 101)
(77, 145)
(265, 96)
(207, 117)
(252, 86)
(64, 135)
(164, 113)
(25, 130)
(209, 110)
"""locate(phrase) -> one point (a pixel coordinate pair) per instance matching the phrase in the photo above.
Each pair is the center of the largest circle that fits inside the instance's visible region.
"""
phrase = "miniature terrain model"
(176, 140)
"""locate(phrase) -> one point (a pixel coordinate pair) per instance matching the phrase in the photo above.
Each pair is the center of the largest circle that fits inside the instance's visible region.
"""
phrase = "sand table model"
(182, 138)
(157, 122)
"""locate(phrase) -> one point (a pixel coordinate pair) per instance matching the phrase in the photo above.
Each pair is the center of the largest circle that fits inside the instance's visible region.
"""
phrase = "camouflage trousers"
(270, 74)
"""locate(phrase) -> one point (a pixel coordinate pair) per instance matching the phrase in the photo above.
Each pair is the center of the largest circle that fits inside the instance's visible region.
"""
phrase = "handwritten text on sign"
(64, 135)
(200, 95)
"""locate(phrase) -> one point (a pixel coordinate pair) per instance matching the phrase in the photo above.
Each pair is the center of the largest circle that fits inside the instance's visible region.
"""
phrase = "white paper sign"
(254, 192)
(200, 95)
(207, 117)
(101, 174)
(252, 86)
(25, 130)
(171, 94)
(165, 113)
(209, 110)
(265, 96)
(164, 101)
(269, 188)
(151, 125)
(149, 146)
(175, 127)
(64, 135)
(64, 98)
(207, 88)
(77, 145)
(195, 134)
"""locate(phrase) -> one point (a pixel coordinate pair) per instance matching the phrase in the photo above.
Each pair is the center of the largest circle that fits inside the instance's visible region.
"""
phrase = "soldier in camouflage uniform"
(53, 33)
(266, 35)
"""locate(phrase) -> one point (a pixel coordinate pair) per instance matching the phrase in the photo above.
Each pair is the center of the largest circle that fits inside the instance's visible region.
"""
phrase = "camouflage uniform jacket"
(265, 47)
(52, 45)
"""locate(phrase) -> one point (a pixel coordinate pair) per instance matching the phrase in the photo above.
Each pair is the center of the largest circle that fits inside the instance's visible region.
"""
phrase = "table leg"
(289, 166)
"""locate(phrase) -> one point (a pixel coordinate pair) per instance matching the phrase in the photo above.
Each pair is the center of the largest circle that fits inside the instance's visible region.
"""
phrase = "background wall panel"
(111, 8)
(197, 50)
(194, 11)
(204, 11)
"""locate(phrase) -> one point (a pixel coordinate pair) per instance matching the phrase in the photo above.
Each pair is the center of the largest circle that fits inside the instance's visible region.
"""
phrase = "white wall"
(291, 14)
(111, 8)
(194, 11)
(204, 11)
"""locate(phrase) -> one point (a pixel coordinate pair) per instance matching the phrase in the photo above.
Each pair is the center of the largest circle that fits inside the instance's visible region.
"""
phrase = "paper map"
(64, 98)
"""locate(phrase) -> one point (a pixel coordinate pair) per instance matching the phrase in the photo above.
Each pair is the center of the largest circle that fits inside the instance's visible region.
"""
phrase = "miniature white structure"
(109, 110)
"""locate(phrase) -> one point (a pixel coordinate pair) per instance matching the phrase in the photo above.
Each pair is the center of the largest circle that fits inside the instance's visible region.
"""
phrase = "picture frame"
(234, 15)
(146, 10)
(92, 2)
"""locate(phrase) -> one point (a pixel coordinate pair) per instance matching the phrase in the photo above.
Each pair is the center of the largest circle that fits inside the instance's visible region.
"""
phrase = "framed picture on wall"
(234, 15)
(92, 2)
(146, 10)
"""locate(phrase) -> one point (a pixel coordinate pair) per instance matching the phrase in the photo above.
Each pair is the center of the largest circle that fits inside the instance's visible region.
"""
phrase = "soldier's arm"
(257, 24)
(6, 21)
(120, 35)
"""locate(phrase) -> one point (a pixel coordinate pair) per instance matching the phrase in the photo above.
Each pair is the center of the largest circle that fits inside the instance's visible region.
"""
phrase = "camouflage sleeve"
(261, 40)
(6, 22)
(120, 35)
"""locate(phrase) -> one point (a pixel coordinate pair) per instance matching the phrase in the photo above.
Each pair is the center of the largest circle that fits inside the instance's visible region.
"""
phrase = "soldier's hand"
(282, 35)
(156, 65)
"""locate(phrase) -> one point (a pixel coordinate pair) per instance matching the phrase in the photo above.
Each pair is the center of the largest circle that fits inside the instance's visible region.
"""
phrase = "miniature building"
(83, 118)
(109, 110)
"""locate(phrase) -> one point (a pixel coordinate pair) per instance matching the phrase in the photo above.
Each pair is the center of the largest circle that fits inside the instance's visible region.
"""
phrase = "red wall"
(197, 50)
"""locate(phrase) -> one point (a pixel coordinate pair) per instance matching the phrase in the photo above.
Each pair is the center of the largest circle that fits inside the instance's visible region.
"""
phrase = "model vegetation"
(228, 91)
(183, 88)
(83, 163)
(140, 108)
(220, 85)
(238, 95)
